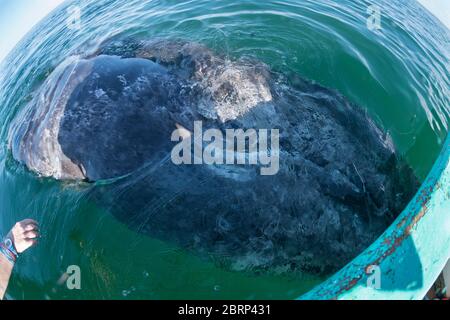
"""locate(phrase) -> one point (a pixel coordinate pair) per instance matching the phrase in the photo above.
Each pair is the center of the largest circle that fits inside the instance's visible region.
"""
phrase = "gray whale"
(110, 116)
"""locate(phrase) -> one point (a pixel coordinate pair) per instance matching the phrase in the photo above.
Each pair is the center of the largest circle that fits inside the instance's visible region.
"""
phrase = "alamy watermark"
(73, 21)
(235, 147)
(73, 280)
(373, 273)
(374, 20)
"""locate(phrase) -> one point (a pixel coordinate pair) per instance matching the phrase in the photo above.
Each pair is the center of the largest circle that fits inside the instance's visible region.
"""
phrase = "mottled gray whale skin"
(339, 186)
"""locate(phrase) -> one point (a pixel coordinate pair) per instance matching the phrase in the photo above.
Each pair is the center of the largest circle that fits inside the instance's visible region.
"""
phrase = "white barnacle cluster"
(236, 88)
(229, 88)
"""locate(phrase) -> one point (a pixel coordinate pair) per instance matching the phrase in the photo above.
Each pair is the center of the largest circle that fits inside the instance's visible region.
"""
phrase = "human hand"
(24, 234)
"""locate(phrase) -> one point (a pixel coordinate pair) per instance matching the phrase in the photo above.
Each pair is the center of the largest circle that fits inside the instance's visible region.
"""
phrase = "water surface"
(399, 74)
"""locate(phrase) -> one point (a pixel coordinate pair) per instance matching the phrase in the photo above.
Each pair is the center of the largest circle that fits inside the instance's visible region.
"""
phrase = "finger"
(26, 227)
(30, 227)
(28, 221)
(18, 231)
(31, 234)
(18, 227)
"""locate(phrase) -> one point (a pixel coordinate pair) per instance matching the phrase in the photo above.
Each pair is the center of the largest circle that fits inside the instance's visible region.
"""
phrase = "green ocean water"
(400, 74)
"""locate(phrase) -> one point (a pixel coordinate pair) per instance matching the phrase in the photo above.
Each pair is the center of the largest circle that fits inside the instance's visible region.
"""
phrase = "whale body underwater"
(109, 118)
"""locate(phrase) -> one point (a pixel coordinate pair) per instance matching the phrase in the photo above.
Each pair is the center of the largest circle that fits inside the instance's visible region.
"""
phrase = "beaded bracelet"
(8, 250)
